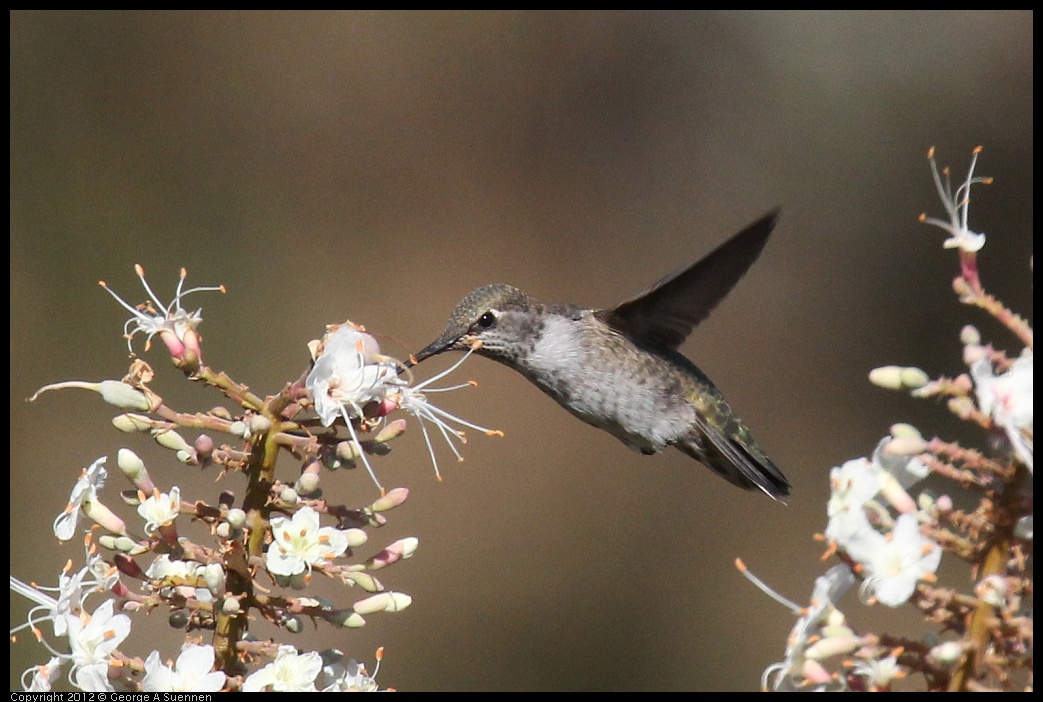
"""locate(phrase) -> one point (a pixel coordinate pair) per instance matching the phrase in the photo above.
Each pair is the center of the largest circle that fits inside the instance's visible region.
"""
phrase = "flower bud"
(220, 411)
(121, 544)
(905, 446)
(365, 581)
(889, 377)
(307, 484)
(348, 450)
(914, 378)
(962, 407)
(115, 392)
(214, 577)
(944, 504)
(293, 624)
(168, 438)
(123, 396)
(383, 602)
(392, 499)
(972, 353)
(132, 423)
(345, 618)
(236, 517)
(356, 537)
(134, 468)
(902, 430)
(970, 335)
(259, 424)
(946, 654)
(401, 549)
(963, 383)
(832, 646)
(392, 430)
(128, 566)
(204, 447)
(103, 516)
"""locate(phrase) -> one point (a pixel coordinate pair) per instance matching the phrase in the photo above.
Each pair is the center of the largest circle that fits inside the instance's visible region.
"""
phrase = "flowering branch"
(272, 539)
(894, 543)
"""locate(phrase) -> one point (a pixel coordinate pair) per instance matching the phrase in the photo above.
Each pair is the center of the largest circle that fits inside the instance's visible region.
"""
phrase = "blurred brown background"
(377, 166)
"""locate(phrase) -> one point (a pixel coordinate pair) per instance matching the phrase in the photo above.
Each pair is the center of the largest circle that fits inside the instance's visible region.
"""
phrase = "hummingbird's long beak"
(433, 349)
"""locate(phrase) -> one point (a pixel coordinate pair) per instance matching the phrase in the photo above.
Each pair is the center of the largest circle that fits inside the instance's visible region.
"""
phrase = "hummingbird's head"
(496, 321)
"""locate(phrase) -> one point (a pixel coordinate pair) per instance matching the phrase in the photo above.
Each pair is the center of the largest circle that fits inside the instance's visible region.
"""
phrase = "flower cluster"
(894, 542)
(268, 544)
(351, 380)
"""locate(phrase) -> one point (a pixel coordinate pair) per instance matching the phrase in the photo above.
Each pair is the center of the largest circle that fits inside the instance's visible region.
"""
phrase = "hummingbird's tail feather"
(736, 458)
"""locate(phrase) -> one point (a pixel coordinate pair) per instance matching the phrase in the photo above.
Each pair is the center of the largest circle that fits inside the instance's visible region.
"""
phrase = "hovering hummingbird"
(619, 369)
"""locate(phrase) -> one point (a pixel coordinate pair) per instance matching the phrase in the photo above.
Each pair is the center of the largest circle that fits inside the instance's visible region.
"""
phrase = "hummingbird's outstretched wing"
(665, 315)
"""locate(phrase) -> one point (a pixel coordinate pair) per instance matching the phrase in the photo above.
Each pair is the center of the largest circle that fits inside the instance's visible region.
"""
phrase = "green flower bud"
(914, 378)
(383, 602)
(365, 581)
(168, 438)
(132, 423)
(889, 377)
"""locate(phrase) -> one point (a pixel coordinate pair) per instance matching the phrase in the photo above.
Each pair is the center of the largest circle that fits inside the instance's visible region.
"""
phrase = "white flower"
(93, 678)
(797, 671)
(93, 638)
(299, 543)
(70, 597)
(895, 563)
(176, 326)
(47, 608)
(852, 485)
(350, 372)
(992, 590)
(879, 674)
(72, 590)
(1007, 398)
(160, 509)
(91, 479)
(289, 672)
(163, 567)
(43, 676)
(957, 206)
(104, 575)
(193, 672)
(338, 677)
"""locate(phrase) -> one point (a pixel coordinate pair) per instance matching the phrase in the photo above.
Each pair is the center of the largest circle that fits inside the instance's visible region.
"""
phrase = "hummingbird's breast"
(607, 381)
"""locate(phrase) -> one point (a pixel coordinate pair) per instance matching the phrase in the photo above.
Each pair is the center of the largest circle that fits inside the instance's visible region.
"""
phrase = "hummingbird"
(619, 369)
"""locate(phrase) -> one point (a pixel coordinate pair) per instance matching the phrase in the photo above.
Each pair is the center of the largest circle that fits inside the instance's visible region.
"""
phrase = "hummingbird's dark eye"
(486, 320)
